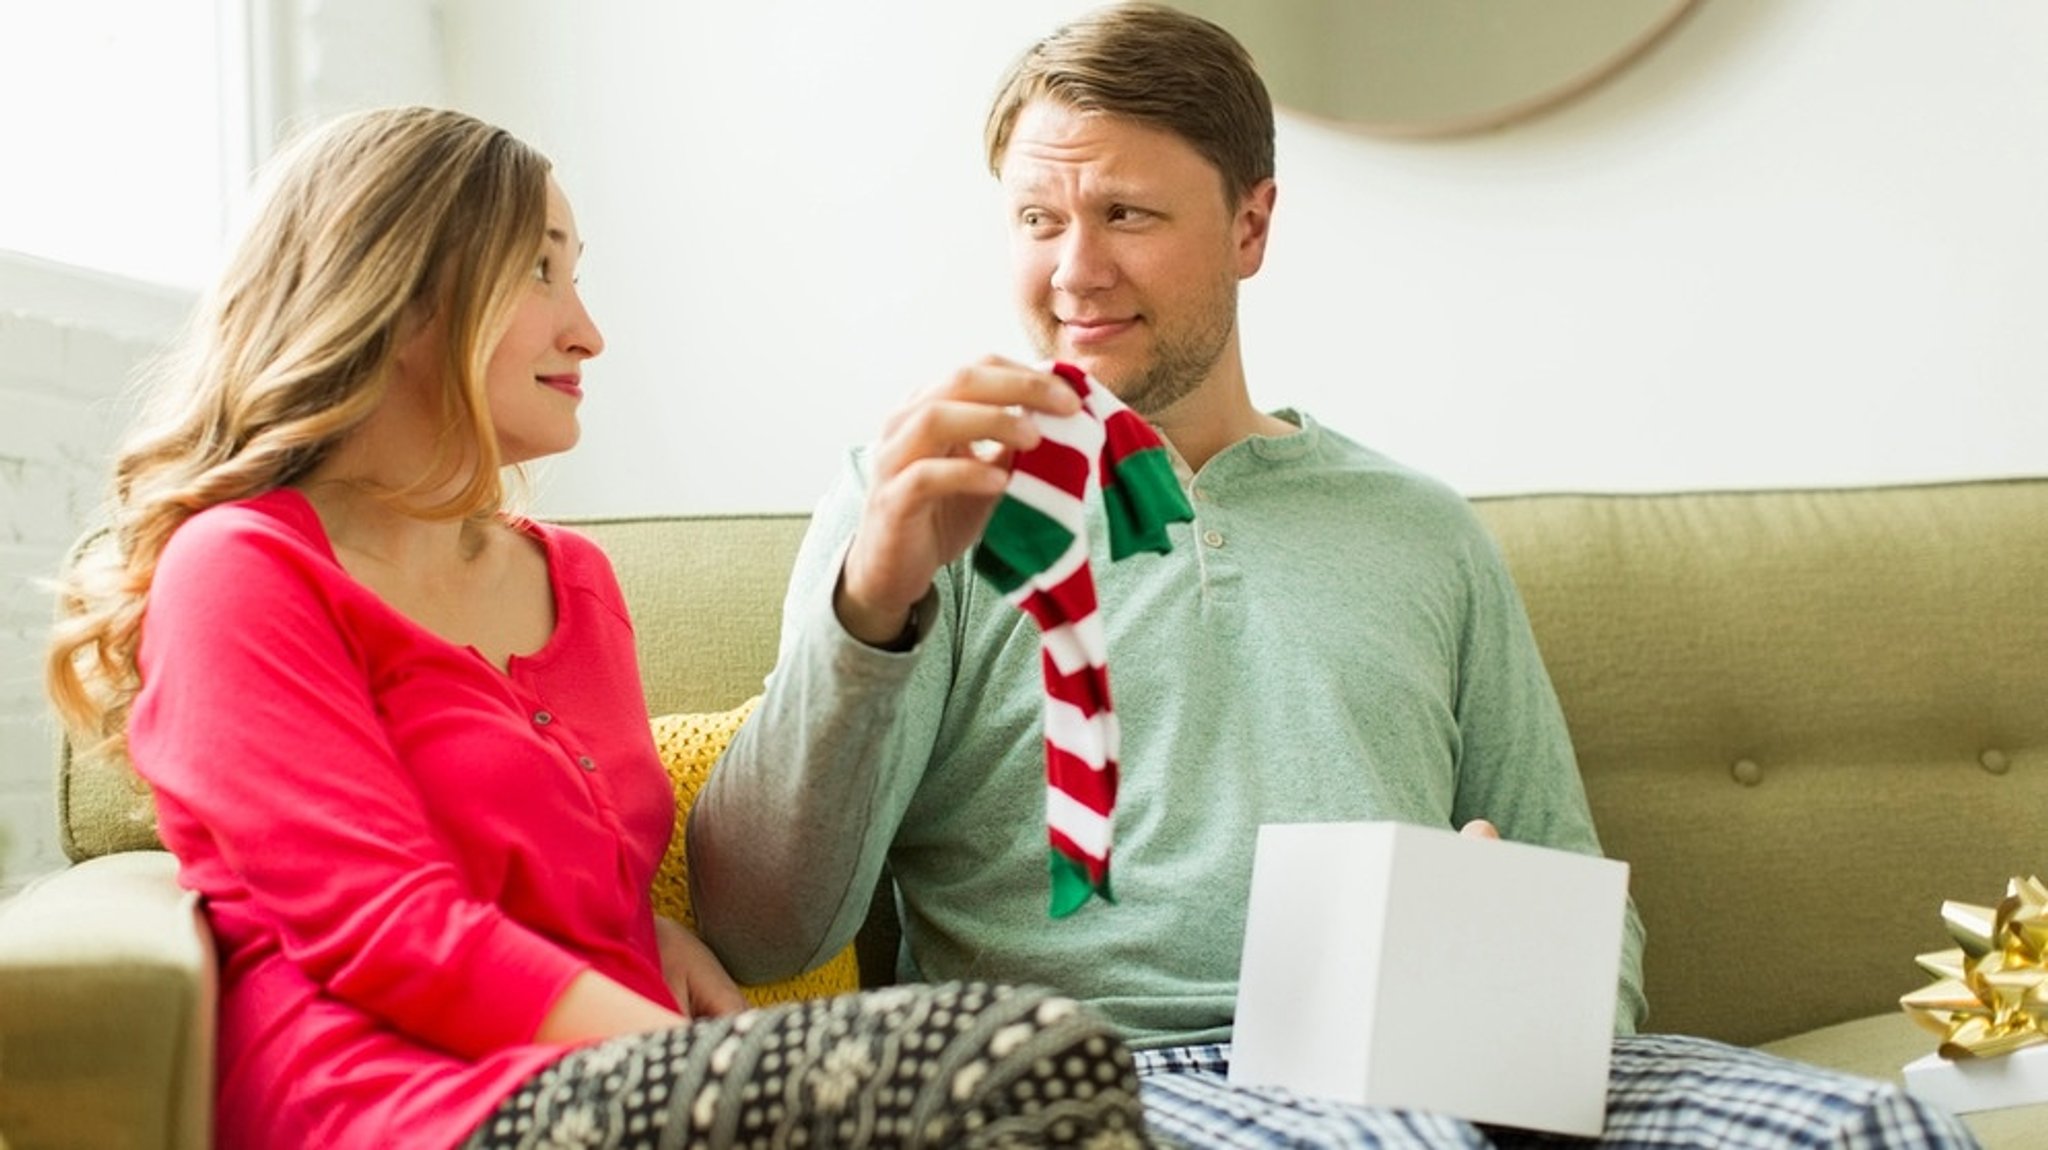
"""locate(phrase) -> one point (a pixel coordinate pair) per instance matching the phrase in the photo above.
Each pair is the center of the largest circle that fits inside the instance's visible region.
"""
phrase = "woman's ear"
(419, 345)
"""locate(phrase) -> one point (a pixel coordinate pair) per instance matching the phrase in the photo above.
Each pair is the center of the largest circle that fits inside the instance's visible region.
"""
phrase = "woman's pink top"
(405, 853)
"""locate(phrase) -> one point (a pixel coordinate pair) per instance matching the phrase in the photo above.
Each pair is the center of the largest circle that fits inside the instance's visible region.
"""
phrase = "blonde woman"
(394, 731)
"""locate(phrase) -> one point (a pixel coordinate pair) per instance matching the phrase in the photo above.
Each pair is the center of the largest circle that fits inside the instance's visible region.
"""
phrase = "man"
(1333, 637)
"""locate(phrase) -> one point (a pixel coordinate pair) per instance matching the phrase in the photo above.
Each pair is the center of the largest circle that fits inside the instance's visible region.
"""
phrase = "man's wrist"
(883, 632)
(913, 627)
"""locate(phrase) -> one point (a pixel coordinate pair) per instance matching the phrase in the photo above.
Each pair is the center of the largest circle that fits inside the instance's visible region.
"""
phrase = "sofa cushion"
(103, 807)
(689, 744)
(1881, 1045)
(706, 598)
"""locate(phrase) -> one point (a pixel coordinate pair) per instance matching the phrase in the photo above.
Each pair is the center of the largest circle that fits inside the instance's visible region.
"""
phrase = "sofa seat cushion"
(690, 744)
(1880, 1047)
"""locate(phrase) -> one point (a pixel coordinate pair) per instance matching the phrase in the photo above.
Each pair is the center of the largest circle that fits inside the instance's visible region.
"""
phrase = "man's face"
(1126, 252)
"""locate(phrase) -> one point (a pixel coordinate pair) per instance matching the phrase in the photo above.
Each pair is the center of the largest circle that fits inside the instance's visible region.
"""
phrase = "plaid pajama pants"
(1664, 1090)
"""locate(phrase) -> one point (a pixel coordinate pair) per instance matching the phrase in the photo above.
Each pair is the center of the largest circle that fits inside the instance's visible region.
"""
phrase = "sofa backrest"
(706, 596)
(1804, 718)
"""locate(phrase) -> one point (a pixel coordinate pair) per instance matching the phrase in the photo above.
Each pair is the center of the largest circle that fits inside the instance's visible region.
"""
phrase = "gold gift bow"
(1992, 997)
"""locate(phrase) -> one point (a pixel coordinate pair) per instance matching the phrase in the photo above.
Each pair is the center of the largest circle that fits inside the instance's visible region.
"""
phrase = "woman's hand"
(594, 1006)
(694, 974)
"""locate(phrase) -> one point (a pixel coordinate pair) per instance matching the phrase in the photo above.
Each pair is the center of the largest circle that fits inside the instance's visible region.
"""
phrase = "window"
(117, 141)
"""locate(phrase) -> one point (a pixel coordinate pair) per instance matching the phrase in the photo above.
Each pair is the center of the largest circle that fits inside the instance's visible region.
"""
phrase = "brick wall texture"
(63, 395)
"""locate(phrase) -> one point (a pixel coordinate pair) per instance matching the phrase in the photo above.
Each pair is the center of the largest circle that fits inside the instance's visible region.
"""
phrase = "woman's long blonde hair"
(369, 224)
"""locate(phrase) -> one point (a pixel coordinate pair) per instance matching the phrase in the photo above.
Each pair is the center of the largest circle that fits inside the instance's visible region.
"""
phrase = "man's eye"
(1038, 222)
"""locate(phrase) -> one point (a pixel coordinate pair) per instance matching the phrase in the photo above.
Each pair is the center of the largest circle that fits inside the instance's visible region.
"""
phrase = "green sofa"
(1805, 718)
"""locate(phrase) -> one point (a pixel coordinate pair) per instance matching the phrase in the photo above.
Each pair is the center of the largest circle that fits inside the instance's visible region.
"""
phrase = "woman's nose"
(581, 334)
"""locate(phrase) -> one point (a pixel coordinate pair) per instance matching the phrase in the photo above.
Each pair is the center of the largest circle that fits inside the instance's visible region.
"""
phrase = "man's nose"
(1084, 263)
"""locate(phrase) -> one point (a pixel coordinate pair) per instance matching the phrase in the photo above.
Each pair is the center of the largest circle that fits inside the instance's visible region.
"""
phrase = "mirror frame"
(1645, 24)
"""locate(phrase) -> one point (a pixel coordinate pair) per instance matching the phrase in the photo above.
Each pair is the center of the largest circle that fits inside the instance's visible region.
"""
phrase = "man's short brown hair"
(1157, 66)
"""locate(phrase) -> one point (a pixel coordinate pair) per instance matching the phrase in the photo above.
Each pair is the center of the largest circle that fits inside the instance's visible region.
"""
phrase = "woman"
(395, 732)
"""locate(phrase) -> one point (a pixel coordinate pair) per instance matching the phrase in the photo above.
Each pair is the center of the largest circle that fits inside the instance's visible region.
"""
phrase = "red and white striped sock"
(1036, 553)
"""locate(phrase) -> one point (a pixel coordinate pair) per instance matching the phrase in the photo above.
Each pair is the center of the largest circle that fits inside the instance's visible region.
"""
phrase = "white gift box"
(1415, 968)
(1970, 1084)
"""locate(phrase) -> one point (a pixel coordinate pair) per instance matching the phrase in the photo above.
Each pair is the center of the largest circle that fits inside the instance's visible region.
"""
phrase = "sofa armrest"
(107, 1003)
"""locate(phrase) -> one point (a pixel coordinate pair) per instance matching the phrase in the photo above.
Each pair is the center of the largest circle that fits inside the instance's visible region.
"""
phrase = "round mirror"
(1436, 67)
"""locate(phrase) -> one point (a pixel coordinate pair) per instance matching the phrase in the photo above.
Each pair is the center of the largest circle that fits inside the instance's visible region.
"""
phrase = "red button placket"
(550, 726)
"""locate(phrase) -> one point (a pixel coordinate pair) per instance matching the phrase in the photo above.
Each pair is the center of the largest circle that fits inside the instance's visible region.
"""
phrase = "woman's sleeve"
(258, 727)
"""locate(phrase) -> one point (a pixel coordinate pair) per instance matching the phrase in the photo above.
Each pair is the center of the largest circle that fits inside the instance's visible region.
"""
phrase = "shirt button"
(542, 718)
(1213, 538)
(586, 762)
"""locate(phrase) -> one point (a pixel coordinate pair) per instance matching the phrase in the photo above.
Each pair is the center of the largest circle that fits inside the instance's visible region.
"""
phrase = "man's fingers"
(916, 486)
(936, 428)
(985, 408)
(1000, 383)
(940, 466)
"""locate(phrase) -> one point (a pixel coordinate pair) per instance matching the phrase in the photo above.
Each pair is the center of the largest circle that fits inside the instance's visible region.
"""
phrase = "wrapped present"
(1991, 993)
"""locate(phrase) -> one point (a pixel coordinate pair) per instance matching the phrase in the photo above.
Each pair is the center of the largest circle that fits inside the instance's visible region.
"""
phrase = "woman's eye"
(544, 270)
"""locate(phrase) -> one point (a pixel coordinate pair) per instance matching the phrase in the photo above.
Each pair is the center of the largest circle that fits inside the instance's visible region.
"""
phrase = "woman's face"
(534, 379)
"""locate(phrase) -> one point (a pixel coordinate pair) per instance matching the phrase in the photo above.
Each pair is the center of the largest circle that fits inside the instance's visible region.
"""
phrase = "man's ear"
(1253, 224)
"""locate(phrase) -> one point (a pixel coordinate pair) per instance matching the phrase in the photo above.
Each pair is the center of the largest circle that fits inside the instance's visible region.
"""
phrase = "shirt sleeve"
(788, 838)
(1516, 765)
(258, 726)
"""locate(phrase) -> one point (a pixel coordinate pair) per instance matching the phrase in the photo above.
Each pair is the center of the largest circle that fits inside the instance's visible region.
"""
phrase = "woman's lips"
(571, 385)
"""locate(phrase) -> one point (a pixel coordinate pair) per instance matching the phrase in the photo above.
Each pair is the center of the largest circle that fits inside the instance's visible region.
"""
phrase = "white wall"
(1798, 244)
(788, 227)
(69, 342)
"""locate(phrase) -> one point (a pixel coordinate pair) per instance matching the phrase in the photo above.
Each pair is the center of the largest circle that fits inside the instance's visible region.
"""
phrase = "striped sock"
(1035, 552)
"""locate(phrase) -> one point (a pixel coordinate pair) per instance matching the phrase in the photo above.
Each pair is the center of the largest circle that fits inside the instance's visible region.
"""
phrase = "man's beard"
(1178, 366)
